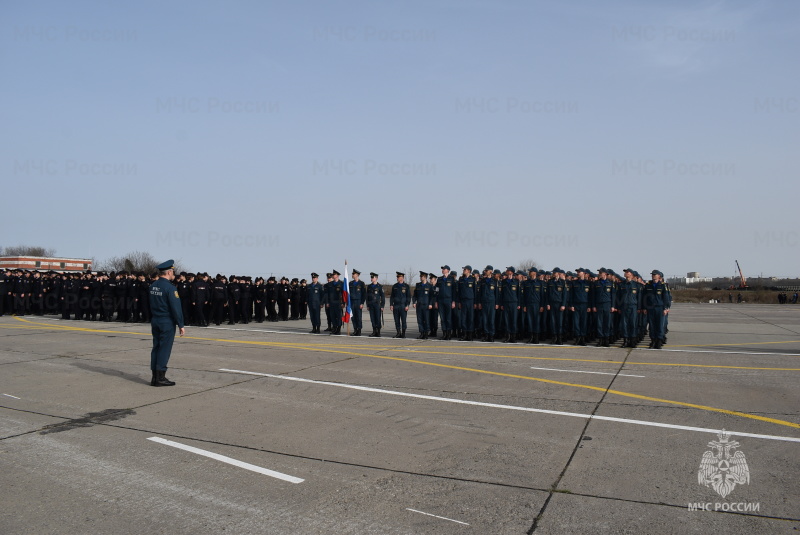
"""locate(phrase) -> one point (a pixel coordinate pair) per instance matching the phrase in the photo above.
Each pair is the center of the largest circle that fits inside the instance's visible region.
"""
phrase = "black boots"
(374, 333)
(159, 379)
(398, 335)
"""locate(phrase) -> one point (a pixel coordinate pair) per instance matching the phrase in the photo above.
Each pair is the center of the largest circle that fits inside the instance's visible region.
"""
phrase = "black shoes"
(159, 379)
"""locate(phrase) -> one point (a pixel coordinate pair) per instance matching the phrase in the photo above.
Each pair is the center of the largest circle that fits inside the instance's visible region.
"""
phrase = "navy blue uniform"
(488, 294)
(557, 300)
(423, 299)
(165, 306)
(509, 300)
(534, 302)
(448, 293)
(399, 300)
(358, 293)
(656, 299)
(629, 297)
(315, 295)
(334, 293)
(376, 300)
(466, 302)
(580, 301)
(604, 299)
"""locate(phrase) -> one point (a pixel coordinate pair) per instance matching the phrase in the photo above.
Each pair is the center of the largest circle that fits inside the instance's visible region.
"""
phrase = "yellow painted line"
(514, 376)
(738, 345)
(299, 345)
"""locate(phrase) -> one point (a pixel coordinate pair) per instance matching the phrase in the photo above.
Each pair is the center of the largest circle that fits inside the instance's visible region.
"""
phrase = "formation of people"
(536, 306)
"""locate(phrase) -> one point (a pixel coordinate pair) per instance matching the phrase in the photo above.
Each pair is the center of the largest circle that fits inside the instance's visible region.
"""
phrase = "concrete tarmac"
(273, 430)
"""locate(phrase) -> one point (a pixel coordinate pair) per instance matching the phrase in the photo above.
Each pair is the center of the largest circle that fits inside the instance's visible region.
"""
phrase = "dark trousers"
(313, 311)
(163, 336)
(233, 310)
(488, 318)
(533, 319)
(272, 315)
(217, 310)
(579, 319)
(423, 315)
(556, 320)
(336, 315)
(655, 317)
(433, 319)
(446, 315)
(200, 314)
(375, 315)
(400, 315)
(603, 320)
(356, 306)
(629, 322)
(283, 309)
(467, 314)
(246, 305)
(259, 310)
(510, 314)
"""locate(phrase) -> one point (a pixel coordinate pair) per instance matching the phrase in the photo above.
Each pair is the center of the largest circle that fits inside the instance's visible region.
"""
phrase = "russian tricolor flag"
(347, 309)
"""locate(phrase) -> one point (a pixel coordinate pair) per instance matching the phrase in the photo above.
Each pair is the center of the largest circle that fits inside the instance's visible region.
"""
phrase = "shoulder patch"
(176, 294)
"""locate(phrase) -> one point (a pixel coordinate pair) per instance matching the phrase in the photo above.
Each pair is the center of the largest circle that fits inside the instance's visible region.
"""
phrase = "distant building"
(691, 278)
(42, 263)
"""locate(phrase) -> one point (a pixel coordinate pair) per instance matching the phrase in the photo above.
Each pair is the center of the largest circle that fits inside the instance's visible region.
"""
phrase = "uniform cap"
(356, 272)
(467, 267)
(657, 272)
(445, 267)
(423, 274)
(303, 281)
(314, 275)
(627, 270)
(496, 272)
(476, 272)
(602, 270)
(295, 279)
(163, 266)
(372, 274)
(334, 272)
(511, 269)
(489, 268)
(433, 275)
(399, 274)
(520, 272)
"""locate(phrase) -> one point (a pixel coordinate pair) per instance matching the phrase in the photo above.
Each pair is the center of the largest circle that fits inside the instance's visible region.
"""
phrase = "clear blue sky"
(257, 137)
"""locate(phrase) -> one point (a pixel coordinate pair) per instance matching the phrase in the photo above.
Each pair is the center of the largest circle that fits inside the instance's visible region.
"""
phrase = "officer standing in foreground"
(466, 303)
(165, 305)
(656, 302)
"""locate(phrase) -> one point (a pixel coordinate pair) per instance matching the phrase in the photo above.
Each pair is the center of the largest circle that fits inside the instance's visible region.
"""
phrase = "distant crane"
(743, 283)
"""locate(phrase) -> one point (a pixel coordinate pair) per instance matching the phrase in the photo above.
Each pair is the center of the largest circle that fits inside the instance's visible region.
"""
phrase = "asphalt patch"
(92, 418)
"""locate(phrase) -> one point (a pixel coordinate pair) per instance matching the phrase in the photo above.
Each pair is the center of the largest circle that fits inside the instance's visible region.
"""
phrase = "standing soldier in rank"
(376, 300)
(656, 302)
(533, 304)
(334, 299)
(488, 303)
(604, 300)
(446, 302)
(433, 313)
(422, 303)
(509, 299)
(314, 296)
(581, 301)
(399, 300)
(466, 303)
(358, 293)
(556, 304)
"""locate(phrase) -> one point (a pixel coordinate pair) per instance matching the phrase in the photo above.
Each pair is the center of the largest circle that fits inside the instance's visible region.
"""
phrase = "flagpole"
(348, 296)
